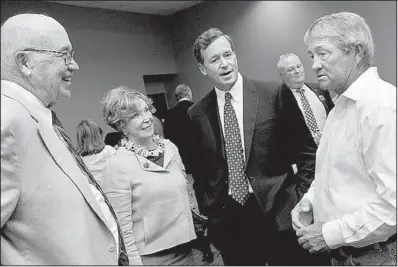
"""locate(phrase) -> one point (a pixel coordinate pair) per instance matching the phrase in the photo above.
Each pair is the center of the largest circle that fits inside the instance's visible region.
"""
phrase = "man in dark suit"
(176, 124)
(254, 159)
(113, 138)
(314, 103)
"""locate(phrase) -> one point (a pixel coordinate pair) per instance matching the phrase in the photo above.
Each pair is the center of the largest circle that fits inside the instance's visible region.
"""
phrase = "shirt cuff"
(332, 234)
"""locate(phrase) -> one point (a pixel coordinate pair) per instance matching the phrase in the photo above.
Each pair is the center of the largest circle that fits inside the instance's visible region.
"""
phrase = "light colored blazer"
(49, 215)
(151, 201)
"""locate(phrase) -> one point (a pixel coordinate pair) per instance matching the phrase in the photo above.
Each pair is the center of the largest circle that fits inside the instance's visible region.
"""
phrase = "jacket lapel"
(320, 96)
(59, 152)
(250, 106)
(148, 165)
(67, 163)
(214, 119)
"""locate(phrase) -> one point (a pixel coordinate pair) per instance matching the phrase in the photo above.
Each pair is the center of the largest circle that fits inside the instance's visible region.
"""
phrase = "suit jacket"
(275, 138)
(151, 201)
(323, 96)
(113, 138)
(176, 128)
(49, 215)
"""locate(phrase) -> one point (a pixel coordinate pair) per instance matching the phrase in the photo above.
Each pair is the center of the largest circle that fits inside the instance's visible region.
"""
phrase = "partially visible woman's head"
(89, 138)
(129, 111)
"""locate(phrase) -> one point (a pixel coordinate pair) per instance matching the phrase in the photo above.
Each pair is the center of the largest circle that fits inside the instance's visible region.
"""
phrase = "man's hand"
(302, 214)
(311, 238)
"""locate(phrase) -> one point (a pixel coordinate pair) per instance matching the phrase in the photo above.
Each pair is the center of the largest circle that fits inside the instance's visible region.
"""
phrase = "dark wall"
(263, 30)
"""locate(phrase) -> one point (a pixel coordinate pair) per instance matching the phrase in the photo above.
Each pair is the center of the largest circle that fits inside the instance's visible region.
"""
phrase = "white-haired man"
(52, 210)
(350, 207)
(315, 104)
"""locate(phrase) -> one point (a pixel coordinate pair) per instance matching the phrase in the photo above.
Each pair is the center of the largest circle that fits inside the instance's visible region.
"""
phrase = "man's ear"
(22, 62)
(202, 69)
(281, 75)
(359, 52)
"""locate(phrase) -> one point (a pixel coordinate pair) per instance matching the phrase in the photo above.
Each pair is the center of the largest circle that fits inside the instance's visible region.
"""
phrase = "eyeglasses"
(67, 56)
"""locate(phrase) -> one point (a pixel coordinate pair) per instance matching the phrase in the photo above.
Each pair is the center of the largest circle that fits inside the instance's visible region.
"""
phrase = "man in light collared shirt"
(351, 205)
(246, 136)
(52, 210)
(315, 104)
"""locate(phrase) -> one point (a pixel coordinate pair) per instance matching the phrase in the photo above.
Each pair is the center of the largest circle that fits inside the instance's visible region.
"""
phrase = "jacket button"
(146, 165)
(111, 248)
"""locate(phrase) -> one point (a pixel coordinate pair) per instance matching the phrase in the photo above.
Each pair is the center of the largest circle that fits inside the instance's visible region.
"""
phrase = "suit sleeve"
(299, 139)
(10, 180)
(198, 183)
(116, 186)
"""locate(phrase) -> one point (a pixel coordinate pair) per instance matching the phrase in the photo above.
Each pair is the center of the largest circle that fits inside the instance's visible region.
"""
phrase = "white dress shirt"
(354, 191)
(237, 103)
(47, 118)
(316, 106)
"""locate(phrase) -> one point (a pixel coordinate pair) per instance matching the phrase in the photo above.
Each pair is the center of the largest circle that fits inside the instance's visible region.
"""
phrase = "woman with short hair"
(145, 182)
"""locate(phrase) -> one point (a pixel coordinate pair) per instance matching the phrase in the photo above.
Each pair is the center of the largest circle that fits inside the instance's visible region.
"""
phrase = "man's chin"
(63, 94)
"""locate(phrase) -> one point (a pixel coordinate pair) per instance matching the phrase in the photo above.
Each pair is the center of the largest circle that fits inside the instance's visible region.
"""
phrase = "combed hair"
(119, 104)
(345, 29)
(183, 90)
(89, 138)
(205, 39)
(282, 58)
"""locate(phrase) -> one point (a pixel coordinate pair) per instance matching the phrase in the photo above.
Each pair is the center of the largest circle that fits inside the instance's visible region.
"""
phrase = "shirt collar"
(236, 90)
(355, 90)
(33, 101)
(304, 87)
(183, 99)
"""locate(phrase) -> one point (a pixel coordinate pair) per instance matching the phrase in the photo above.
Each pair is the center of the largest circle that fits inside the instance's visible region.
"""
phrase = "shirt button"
(146, 165)
(111, 248)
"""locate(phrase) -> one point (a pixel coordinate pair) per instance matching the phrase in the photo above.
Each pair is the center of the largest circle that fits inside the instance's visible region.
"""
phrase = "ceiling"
(163, 8)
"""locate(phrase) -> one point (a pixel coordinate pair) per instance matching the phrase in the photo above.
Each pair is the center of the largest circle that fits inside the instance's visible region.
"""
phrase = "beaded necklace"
(143, 152)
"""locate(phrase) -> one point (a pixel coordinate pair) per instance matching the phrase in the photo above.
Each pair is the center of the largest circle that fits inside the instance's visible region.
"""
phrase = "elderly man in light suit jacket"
(52, 213)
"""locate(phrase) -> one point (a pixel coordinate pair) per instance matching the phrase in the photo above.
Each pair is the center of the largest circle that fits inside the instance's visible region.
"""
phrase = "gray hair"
(183, 90)
(345, 29)
(119, 104)
(205, 39)
(282, 58)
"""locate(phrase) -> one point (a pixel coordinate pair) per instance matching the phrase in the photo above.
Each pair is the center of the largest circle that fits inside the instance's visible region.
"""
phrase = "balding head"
(25, 31)
(291, 70)
(37, 32)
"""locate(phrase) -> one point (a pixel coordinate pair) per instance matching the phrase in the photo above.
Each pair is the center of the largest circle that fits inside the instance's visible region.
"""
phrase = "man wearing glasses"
(52, 212)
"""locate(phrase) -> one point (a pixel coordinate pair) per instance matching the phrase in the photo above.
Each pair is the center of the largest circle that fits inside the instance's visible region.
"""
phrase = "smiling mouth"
(67, 79)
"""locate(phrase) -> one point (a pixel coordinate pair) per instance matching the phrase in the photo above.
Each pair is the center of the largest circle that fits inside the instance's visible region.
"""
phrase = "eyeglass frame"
(63, 55)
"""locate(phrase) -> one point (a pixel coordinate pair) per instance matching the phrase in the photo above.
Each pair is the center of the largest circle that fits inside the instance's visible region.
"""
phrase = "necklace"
(143, 152)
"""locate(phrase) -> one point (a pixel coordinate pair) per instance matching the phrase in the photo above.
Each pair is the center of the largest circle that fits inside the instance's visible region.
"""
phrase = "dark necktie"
(234, 150)
(309, 115)
(60, 131)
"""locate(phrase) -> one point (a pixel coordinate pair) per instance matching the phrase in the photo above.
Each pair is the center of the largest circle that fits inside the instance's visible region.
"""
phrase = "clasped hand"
(309, 234)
